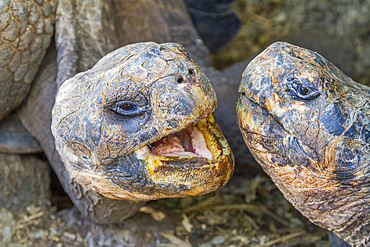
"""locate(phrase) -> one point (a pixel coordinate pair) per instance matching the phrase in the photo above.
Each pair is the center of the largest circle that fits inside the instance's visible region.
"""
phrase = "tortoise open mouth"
(187, 142)
(195, 160)
(199, 140)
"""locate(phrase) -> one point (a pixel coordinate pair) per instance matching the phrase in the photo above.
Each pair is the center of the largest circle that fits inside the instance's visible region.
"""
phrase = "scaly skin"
(308, 125)
(26, 29)
(85, 31)
(104, 119)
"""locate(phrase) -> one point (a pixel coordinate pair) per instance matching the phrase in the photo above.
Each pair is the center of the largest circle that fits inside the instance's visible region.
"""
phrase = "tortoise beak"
(193, 161)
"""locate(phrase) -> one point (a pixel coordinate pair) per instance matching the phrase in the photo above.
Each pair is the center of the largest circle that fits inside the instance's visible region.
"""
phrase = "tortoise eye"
(302, 90)
(128, 108)
(302, 87)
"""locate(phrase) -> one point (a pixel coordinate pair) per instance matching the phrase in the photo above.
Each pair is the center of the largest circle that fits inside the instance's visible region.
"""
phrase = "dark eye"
(302, 87)
(128, 108)
(191, 72)
(302, 90)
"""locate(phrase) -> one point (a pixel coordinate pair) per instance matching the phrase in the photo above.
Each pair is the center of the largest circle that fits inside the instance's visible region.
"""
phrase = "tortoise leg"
(14, 138)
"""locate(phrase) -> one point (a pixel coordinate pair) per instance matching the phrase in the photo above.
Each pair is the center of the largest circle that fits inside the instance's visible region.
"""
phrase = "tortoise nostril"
(191, 71)
(180, 80)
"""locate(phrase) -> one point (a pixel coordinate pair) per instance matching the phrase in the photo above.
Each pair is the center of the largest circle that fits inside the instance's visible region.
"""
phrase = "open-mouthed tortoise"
(308, 125)
(138, 125)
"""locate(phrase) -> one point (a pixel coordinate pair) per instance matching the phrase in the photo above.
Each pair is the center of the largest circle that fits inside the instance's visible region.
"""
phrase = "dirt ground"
(247, 211)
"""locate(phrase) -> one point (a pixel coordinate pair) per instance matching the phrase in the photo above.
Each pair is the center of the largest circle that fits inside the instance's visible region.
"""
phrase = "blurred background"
(338, 29)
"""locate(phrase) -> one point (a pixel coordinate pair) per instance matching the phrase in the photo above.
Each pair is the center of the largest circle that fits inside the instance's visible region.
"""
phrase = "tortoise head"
(307, 124)
(138, 126)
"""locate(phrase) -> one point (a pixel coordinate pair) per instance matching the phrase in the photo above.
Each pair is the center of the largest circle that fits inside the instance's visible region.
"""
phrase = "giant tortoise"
(99, 27)
(130, 138)
(307, 124)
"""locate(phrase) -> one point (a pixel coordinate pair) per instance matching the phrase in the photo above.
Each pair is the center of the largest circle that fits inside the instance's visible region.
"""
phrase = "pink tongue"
(168, 145)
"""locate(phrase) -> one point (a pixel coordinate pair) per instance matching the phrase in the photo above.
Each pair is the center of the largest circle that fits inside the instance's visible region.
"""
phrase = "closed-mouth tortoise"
(133, 132)
(308, 125)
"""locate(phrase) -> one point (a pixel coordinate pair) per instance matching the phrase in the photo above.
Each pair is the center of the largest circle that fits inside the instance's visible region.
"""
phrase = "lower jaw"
(186, 175)
(165, 176)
